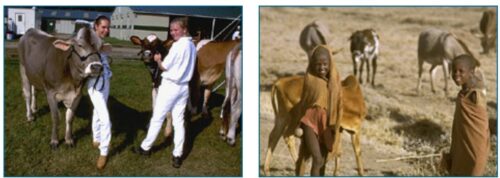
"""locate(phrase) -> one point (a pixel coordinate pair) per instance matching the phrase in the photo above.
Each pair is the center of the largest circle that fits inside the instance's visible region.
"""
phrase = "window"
(19, 18)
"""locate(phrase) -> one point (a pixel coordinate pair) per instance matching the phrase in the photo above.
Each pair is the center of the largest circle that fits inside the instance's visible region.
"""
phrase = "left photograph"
(123, 90)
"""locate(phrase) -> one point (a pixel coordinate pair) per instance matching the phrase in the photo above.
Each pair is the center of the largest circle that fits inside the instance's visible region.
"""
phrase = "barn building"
(211, 22)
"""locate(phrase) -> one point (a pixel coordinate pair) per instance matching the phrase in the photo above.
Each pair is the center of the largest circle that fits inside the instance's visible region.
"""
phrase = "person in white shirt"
(236, 34)
(173, 93)
(98, 89)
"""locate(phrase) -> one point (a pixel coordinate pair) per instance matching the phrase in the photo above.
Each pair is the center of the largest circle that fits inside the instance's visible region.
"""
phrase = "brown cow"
(286, 93)
(488, 27)
(211, 60)
(59, 67)
(364, 48)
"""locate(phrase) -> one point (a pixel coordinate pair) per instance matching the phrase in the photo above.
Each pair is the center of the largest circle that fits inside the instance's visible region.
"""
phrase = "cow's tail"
(464, 46)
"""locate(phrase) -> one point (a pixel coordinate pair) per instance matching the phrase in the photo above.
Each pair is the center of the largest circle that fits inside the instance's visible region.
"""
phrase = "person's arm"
(157, 58)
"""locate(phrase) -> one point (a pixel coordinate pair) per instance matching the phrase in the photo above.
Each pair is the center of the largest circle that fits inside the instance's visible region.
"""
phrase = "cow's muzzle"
(94, 69)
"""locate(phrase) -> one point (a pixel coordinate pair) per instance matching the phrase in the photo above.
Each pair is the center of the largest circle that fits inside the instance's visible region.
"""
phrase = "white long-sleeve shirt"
(180, 61)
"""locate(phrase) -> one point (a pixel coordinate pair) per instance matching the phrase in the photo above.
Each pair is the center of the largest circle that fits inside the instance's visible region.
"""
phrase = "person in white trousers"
(98, 89)
(173, 93)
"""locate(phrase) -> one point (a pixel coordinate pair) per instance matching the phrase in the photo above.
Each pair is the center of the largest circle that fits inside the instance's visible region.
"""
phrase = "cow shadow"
(124, 119)
(196, 124)
(425, 130)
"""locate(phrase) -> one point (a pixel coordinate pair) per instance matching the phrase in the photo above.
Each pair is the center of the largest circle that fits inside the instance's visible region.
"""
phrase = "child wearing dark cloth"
(318, 111)
(470, 139)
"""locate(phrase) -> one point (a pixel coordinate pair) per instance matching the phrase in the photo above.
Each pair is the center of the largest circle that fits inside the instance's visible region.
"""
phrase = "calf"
(231, 107)
(286, 93)
(60, 68)
(364, 48)
(437, 47)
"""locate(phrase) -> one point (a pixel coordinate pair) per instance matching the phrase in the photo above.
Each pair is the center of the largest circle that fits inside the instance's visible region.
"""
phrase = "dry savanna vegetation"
(399, 123)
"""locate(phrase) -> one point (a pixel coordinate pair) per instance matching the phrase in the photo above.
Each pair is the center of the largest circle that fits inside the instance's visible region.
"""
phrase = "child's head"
(320, 62)
(462, 69)
(179, 28)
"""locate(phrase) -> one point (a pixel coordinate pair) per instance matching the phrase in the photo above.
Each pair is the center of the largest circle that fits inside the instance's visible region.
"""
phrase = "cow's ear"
(106, 48)
(62, 45)
(135, 40)
(168, 43)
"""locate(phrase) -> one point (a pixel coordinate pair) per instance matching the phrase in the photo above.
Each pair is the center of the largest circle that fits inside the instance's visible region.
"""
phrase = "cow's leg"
(361, 65)
(206, 96)
(33, 99)
(69, 119)
(419, 82)
(355, 140)
(27, 92)
(374, 64)
(445, 76)
(168, 125)
(276, 132)
(51, 99)
(432, 72)
(368, 61)
(290, 142)
(355, 65)
(299, 165)
(154, 93)
(235, 116)
(337, 151)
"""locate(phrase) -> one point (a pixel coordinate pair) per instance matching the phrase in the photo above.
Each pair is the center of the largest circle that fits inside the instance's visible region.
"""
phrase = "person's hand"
(157, 57)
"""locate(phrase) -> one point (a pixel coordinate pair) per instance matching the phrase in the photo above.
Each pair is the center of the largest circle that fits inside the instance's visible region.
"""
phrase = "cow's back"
(435, 45)
(36, 49)
(211, 60)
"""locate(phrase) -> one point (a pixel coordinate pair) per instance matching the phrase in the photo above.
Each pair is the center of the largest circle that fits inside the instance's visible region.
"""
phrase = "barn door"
(21, 23)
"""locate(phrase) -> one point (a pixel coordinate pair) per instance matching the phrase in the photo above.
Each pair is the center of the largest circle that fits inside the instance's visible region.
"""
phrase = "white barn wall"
(65, 26)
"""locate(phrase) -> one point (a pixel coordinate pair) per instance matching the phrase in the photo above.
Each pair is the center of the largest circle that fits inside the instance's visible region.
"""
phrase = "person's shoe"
(101, 162)
(95, 144)
(176, 162)
(140, 151)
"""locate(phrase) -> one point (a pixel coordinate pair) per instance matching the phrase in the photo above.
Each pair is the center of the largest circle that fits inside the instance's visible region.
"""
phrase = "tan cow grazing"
(438, 47)
(211, 60)
(60, 68)
(488, 27)
(286, 93)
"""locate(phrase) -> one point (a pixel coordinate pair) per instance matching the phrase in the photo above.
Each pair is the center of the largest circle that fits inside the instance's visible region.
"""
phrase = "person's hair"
(182, 21)
(99, 19)
(468, 60)
(320, 50)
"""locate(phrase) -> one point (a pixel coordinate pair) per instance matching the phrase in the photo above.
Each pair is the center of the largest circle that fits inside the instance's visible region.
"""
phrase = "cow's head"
(151, 45)
(84, 52)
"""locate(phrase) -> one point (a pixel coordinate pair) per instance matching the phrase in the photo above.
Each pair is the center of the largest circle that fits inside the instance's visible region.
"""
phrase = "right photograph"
(378, 91)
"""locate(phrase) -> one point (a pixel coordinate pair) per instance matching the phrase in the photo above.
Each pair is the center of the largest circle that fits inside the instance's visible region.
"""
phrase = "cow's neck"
(75, 74)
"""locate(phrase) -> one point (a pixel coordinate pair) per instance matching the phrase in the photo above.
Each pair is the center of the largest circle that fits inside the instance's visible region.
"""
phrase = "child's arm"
(473, 97)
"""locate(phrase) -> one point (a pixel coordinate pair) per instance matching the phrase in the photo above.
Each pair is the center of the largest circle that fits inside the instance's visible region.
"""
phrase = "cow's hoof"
(231, 142)
(31, 118)
(71, 144)
(53, 146)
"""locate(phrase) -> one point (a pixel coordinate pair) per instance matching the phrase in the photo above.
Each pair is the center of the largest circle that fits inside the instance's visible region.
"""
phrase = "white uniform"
(173, 93)
(98, 89)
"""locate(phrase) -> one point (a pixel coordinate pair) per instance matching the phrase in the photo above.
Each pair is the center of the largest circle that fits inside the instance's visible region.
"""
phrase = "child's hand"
(157, 57)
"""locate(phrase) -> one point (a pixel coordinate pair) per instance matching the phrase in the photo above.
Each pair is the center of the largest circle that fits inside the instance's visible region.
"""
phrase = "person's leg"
(312, 144)
(178, 121)
(93, 95)
(104, 121)
(165, 100)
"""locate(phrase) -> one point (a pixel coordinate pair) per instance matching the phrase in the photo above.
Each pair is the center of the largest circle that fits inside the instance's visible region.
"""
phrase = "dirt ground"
(399, 122)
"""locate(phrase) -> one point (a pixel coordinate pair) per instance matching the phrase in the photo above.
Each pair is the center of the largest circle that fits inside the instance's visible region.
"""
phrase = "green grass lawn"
(26, 145)
(119, 43)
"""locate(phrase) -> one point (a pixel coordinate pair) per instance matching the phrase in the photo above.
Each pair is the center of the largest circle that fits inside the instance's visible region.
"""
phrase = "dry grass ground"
(399, 122)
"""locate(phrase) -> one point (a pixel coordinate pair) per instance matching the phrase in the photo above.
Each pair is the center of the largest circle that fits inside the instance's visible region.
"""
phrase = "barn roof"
(222, 12)
(71, 14)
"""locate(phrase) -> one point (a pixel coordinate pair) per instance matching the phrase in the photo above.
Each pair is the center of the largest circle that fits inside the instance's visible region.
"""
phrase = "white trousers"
(101, 125)
(171, 97)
